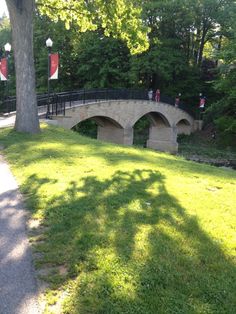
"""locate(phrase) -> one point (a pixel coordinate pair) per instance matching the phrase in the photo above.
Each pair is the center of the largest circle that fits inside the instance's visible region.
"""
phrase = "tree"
(168, 63)
(180, 32)
(95, 61)
(102, 62)
(21, 18)
(118, 18)
(223, 112)
(63, 42)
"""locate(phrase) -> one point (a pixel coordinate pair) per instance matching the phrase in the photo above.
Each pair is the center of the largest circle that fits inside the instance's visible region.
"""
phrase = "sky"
(3, 7)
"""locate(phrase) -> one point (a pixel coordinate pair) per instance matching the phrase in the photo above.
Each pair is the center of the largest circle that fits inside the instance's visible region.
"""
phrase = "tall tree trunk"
(202, 43)
(219, 48)
(196, 43)
(188, 44)
(21, 17)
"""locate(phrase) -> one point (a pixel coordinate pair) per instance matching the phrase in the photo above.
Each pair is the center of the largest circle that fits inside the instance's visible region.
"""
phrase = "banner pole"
(48, 102)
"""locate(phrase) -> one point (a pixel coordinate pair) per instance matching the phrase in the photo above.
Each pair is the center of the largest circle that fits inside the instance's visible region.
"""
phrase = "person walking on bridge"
(158, 95)
(150, 94)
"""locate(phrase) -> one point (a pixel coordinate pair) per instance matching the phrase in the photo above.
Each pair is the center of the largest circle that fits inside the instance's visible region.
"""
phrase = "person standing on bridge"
(158, 95)
(177, 100)
(202, 103)
(150, 94)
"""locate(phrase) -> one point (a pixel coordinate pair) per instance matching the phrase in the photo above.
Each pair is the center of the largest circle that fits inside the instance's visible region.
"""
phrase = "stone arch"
(101, 121)
(110, 130)
(162, 136)
(183, 127)
(156, 119)
(116, 118)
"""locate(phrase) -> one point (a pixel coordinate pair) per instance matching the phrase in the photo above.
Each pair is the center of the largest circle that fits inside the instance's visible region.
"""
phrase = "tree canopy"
(179, 46)
(117, 18)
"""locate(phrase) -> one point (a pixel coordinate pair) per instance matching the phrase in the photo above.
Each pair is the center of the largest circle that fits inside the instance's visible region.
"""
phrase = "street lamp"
(49, 44)
(7, 48)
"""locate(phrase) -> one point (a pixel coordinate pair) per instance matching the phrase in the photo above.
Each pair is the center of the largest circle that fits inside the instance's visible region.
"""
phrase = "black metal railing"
(58, 102)
(8, 105)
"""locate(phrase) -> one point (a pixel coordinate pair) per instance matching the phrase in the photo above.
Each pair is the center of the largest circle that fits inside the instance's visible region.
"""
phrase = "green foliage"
(141, 131)
(223, 112)
(87, 128)
(5, 31)
(226, 125)
(179, 30)
(62, 43)
(206, 147)
(118, 18)
(5, 37)
(87, 60)
(101, 61)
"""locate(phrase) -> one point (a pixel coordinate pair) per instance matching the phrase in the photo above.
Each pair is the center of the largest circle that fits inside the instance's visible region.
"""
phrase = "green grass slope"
(126, 230)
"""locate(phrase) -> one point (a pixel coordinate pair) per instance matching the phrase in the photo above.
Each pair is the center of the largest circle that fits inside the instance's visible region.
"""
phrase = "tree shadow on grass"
(130, 247)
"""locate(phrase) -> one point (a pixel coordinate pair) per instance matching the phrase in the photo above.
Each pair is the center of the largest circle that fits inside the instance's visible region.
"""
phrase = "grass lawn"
(126, 230)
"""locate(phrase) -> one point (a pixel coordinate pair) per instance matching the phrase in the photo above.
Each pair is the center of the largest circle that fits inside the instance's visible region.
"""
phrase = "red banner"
(3, 69)
(54, 64)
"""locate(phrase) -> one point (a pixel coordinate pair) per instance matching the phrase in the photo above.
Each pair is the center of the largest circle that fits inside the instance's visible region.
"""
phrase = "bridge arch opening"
(103, 128)
(146, 126)
(87, 128)
(183, 127)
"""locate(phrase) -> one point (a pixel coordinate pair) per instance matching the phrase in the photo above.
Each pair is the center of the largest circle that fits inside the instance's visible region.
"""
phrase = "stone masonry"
(116, 119)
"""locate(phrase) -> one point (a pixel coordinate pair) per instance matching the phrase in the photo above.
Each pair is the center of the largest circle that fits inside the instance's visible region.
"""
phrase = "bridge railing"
(8, 105)
(58, 102)
(83, 96)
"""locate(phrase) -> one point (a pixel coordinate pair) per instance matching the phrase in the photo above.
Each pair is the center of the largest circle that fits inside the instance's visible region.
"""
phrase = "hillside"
(125, 230)
(206, 147)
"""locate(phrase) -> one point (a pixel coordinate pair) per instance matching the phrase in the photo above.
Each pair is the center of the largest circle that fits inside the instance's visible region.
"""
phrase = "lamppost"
(7, 48)
(49, 44)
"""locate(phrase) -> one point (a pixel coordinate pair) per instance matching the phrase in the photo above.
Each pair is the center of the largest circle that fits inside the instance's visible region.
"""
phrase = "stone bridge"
(115, 120)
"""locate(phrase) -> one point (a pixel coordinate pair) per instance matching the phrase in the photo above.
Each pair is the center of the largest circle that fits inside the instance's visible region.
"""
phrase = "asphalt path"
(18, 288)
(7, 121)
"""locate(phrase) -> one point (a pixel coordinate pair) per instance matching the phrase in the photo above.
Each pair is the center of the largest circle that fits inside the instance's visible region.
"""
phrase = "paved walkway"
(7, 121)
(18, 292)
